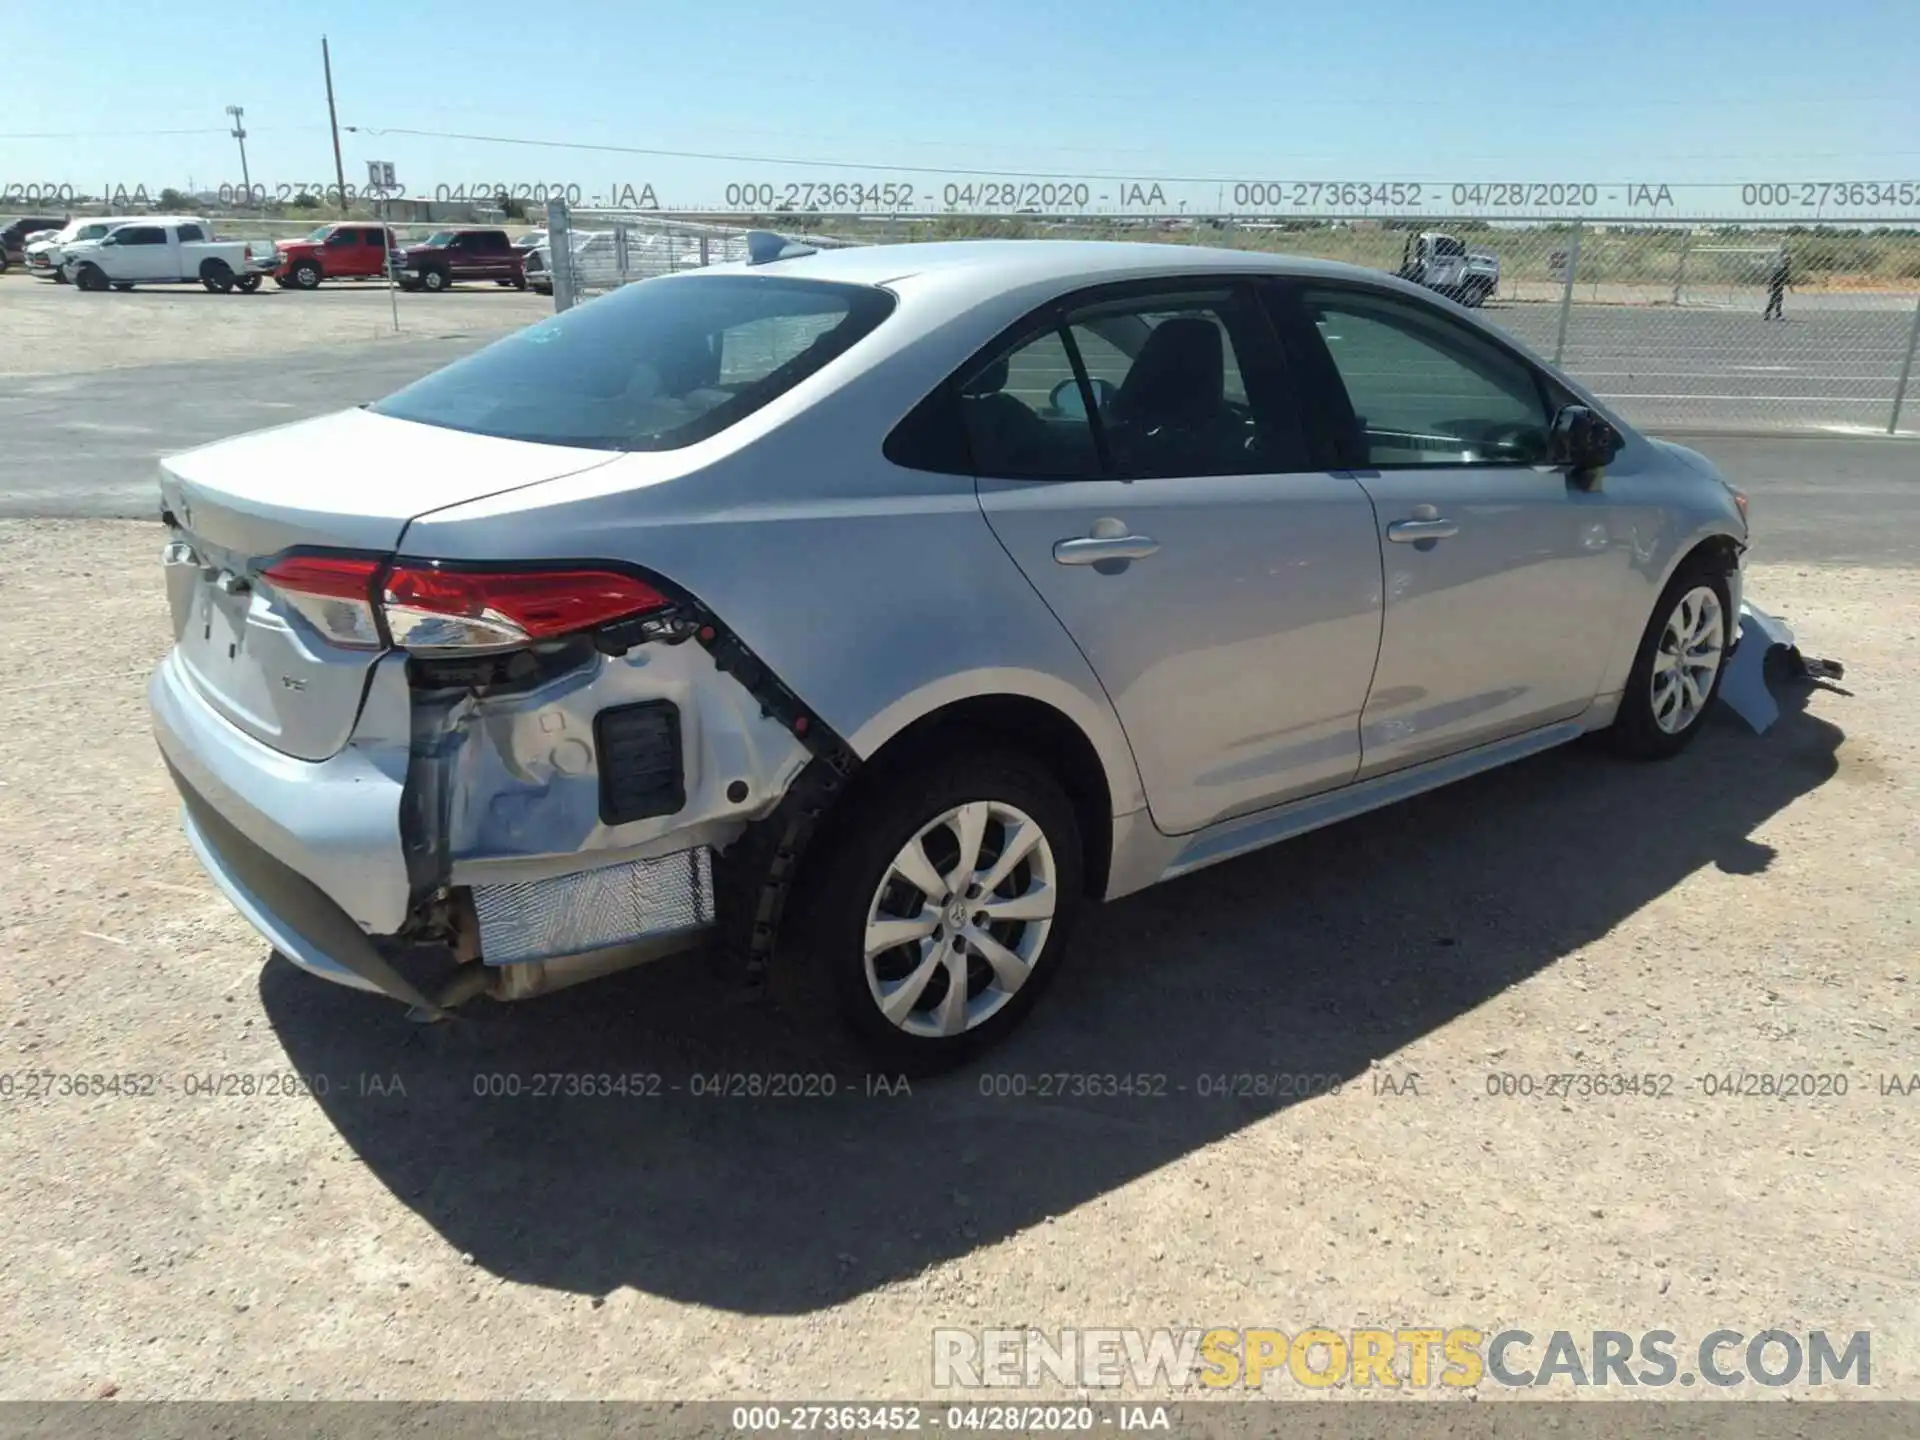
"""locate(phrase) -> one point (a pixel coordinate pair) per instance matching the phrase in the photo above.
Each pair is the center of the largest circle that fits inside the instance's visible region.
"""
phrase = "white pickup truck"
(167, 252)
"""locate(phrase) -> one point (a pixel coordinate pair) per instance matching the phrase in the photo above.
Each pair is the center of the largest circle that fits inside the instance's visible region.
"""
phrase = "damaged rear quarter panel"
(506, 785)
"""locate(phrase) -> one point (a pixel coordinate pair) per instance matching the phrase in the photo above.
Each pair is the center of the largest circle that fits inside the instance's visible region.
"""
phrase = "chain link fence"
(1703, 325)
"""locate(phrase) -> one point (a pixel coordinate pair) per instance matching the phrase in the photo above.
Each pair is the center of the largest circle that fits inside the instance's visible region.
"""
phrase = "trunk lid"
(349, 481)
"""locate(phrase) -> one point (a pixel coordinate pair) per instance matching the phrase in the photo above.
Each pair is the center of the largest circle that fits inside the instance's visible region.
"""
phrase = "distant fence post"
(1566, 294)
(1680, 273)
(1906, 369)
(560, 254)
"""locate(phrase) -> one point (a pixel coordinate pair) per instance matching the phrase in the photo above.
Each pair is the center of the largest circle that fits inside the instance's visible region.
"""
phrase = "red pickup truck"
(349, 250)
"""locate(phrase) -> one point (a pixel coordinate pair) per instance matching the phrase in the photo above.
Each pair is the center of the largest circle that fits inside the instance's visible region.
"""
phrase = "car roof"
(1001, 264)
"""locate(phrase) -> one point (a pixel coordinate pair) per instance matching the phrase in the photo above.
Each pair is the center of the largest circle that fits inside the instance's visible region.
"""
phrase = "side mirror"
(109, 239)
(1583, 442)
(1066, 399)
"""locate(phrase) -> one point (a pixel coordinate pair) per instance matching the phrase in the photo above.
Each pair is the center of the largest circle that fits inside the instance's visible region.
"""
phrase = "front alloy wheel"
(959, 919)
(1677, 669)
(1687, 660)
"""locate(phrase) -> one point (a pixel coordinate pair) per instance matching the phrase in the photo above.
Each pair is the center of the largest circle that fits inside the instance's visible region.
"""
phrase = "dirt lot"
(1749, 908)
(54, 329)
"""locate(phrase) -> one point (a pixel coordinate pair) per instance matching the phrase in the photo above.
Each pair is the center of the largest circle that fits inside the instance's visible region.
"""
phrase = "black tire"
(123, 285)
(518, 282)
(247, 284)
(90, 278)
(1636, 731)
(59, 277)
(283, 282)
(217, 276)
(306, 275)
(434, 278)
(889, 810)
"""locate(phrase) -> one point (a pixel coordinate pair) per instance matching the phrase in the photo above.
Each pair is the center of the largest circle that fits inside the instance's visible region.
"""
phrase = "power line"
(99, 134)
(130, 134)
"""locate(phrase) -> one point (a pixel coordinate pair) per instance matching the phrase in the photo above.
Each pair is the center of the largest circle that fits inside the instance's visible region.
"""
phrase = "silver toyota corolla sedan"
(872, 610)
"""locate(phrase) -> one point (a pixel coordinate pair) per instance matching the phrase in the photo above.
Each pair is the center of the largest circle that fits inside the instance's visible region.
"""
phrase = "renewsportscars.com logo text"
(1412, 1357)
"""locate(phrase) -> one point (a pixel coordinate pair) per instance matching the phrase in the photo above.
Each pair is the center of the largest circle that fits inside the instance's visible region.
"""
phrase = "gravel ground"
(1750, 907)
(55, 329)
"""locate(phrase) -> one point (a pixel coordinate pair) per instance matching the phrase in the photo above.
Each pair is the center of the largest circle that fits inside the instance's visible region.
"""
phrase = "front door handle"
(1408, 532)
(1093, 549)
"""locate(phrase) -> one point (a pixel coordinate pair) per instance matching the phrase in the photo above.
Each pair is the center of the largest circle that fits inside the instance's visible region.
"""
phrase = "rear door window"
(142, 235)
(1153, 387)
(653, 366)
(192, 232)
(1025, 415)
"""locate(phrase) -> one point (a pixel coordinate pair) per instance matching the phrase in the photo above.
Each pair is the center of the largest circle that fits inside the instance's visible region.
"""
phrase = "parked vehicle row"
(123, 251)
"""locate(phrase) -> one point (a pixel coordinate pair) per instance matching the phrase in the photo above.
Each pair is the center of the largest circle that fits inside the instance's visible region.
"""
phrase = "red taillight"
(334, 592)
(432, 607)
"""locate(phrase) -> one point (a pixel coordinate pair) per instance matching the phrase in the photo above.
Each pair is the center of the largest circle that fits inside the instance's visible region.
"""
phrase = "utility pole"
(240, 133)
(333, 119)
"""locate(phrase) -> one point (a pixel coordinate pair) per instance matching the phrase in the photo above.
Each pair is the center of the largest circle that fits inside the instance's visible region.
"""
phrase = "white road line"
(1784, 374)
(1883, 401)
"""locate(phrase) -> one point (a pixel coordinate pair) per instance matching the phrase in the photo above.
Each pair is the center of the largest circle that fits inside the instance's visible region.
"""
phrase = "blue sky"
(1676, 91)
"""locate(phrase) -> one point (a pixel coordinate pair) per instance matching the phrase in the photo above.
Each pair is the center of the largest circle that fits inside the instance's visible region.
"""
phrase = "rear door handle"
(1406, 532)
(1092, 549)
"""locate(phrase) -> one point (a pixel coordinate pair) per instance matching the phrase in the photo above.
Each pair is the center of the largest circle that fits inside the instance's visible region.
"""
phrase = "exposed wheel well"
(213, 267)
(1016, 722)
(1722, 551)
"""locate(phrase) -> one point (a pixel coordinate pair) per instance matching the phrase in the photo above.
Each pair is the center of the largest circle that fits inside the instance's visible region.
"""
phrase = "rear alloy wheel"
(944, 908)
(90, 277)
(306, 275)
(217, 277)
(433, 279)
(1677, 671)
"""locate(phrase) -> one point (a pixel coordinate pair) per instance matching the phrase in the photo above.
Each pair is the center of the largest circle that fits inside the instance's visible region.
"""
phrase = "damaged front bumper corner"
(1743, 686)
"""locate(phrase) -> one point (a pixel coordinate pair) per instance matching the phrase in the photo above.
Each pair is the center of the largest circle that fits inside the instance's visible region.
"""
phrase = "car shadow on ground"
(1317, 957)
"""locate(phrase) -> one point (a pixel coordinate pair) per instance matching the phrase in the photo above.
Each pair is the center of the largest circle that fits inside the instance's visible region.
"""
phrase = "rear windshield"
(652, 366)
